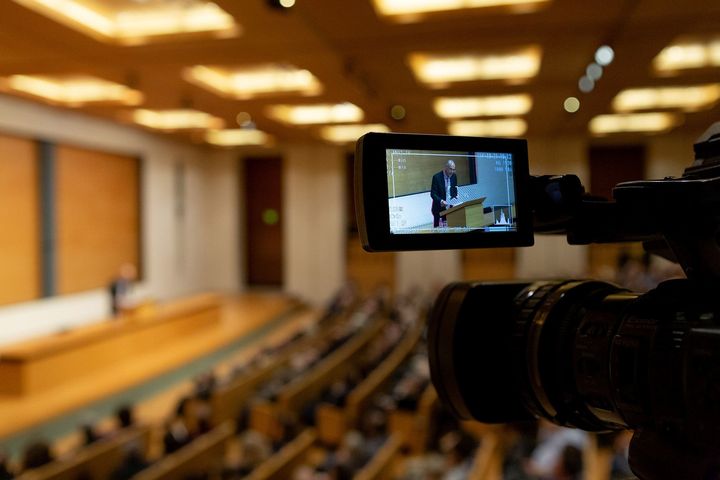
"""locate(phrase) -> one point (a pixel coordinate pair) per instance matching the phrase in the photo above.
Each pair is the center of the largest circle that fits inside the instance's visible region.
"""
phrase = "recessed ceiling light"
(170, 120)
(397, 112)
(243, 118)
(604, 55)
(237, 137)
(437, 70)
(688, 53)
(414, 10)
(571, 104)
(689, 99)
(131, 23)
(73, 91)
(465, 107)
(315, 114)
(350, 133)
(594, 71)
(252, 81)
(507, 127)
(586, 84)
(634, 123)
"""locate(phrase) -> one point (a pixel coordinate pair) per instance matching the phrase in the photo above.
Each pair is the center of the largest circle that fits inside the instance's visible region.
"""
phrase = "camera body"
(580, 353)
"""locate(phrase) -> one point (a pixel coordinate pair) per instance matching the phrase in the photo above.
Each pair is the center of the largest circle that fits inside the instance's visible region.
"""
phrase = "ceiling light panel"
(507, 127)
(688, 54)
(350, 133)
(237, 137)
(468, 107)
(72, 90)
(129, 22)
(689, 99)
(170, 120)
(415, 10)
(249, 82)
(315, 114)
(634, 123)
(438, 70)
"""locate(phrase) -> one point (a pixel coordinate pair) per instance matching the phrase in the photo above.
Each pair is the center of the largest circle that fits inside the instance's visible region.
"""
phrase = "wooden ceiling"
(361, 58)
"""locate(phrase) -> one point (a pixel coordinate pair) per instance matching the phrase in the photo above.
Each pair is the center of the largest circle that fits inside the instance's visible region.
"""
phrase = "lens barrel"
(585, 354)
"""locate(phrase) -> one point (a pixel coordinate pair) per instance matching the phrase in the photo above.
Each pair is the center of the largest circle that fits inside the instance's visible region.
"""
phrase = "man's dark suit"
(438, 193)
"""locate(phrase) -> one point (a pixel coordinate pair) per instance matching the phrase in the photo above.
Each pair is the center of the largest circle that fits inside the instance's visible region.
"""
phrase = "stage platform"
(104, 359)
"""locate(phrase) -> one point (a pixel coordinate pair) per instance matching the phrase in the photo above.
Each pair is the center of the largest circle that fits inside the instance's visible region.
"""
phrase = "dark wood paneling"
(610, 165)
(263, 221)
(413, 173)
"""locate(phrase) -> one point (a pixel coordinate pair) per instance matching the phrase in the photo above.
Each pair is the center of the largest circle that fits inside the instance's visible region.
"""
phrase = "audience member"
(133, 462)
(255, 449)
(374, 430)
(552, 440)
(570, 466)
(177, 433)
(523, 443)
(426, 467)
(90, 434)
(458, 448)
(124, 416)
(36, 455)
(5, 471)
(620, 467)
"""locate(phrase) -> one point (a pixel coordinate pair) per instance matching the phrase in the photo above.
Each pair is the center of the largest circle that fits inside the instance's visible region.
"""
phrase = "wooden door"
(262, 203)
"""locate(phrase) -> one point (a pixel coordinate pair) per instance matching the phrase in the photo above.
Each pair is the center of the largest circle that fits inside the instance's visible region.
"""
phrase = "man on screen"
(442, 190)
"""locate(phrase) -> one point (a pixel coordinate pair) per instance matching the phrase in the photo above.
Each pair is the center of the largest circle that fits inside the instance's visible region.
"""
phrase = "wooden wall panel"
(20, 272)
(489, 264)
(414, 172)
(98, 224)
(369, 270)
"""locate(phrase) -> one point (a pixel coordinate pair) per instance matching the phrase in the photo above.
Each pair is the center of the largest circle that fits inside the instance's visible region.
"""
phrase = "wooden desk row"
(333, 422)
(267, 417)
(98, 460)
(39, 365)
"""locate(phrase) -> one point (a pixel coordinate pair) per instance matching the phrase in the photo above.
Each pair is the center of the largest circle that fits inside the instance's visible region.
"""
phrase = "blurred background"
(152, 151)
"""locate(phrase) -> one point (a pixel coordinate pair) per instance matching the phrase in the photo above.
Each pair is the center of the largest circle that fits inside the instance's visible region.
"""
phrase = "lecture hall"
(184, 293)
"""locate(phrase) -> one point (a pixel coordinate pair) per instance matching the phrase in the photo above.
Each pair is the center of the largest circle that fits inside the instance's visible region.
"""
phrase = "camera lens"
(469, 344)
(583, 354)
(563, 331)
(505, 352)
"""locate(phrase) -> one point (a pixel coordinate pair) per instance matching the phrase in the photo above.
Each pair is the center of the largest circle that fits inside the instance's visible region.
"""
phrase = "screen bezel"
(371, 192)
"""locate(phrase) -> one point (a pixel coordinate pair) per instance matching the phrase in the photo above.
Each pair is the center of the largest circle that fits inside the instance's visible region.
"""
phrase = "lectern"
(469, 214)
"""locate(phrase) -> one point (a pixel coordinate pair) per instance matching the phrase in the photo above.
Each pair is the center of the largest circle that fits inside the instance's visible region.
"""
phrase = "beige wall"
(314, 221)
(428, 271)
(551, 256)
(192, 253)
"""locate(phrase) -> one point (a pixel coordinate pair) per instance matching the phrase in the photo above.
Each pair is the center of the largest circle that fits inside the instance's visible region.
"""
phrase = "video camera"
(581, 353)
